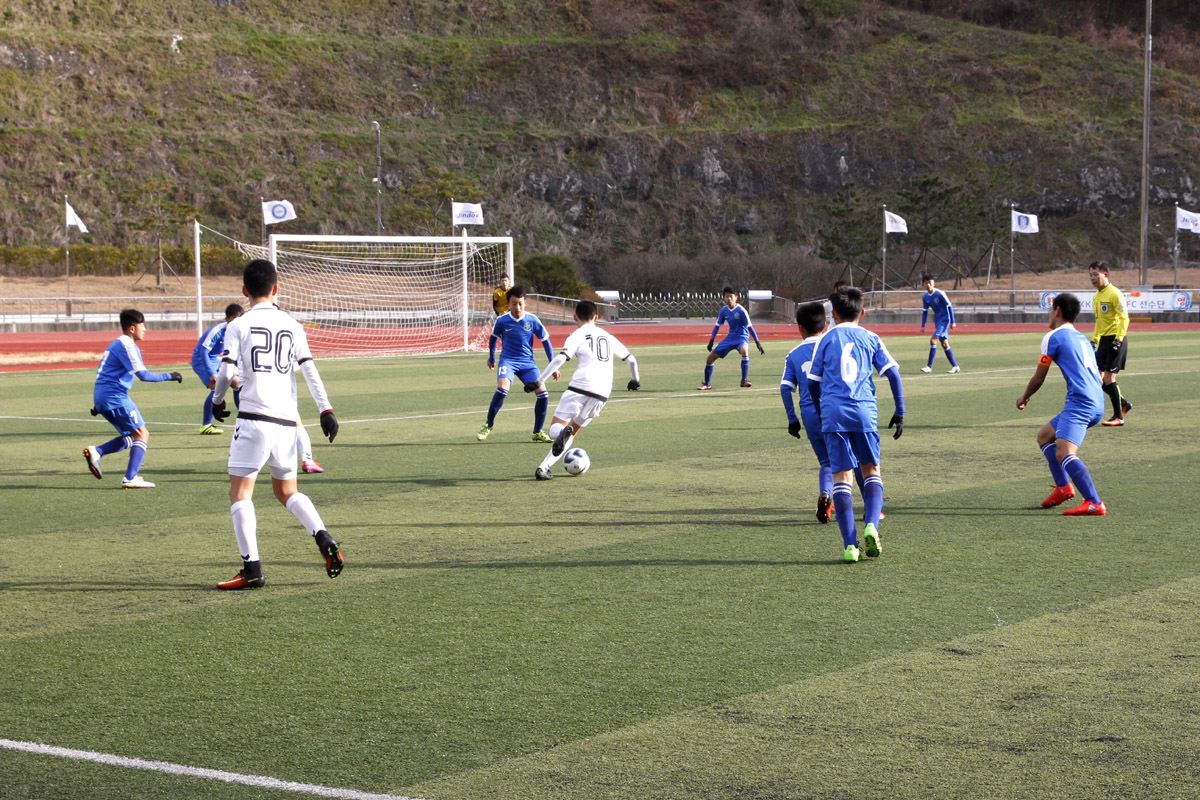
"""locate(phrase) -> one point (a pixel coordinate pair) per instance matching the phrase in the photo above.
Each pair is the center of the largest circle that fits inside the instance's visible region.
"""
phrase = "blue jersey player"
(1061, 437)
(120, 364)
(810, 318)
(938, 302)
(206, 361)
(738, 338)
(839, 381)
(515, 332)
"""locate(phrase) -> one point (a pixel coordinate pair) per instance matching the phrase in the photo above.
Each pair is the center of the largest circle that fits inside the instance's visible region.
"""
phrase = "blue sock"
(950, 355)
(114, 445)
(745, 369)
(858, 478)
(1078, 471)
(843, 501)
(1056, 470)
(208, 417)
(494, 408)
(708, 369)
(872, 499)
(825, 481)
(932, 354)
(539, 409)
(137, 454)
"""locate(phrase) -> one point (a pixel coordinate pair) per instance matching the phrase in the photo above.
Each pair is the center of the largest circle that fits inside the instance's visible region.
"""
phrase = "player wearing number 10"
(839, 382)
(265, 343)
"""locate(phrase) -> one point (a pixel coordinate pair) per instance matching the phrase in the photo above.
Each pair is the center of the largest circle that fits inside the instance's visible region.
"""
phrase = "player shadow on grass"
(621, 563)
(132, 585)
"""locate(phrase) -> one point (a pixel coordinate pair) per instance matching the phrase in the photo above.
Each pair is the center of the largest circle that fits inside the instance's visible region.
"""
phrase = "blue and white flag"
(1187, 220)
(73, 219)
(467, 213)
(894, 223)
(277, 211)
(1024, 223)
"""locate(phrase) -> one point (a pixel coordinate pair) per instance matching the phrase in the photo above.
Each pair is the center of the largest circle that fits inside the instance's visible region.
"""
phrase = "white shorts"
(256, 442)
(578, 408)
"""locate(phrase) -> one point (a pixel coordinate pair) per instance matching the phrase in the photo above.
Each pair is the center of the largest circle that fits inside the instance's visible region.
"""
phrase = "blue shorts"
(727, 344)
(525, 373)
(204, 372)
(848, 449)
(942, 330)
(1073, 421)
(125, 418)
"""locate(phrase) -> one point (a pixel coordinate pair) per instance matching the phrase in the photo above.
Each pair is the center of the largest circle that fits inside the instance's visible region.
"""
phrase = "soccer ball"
(576, 461)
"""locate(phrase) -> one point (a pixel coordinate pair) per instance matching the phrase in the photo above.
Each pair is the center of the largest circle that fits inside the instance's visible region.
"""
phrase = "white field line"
(260, 781)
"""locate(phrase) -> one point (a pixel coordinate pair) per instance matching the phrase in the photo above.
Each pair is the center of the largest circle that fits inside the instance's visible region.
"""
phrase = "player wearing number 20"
(839, 382)
(264, 344)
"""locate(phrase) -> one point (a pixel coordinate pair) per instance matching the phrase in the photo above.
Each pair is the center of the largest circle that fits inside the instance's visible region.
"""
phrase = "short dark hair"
(259, 276)
(925, 276)
(516, 291)
(1068, 304)
(810, 317)
(847, 303)
(233, 310)
(1099, 265)
(729, 290)
(585, 311)
(131, 317)
(838, 284)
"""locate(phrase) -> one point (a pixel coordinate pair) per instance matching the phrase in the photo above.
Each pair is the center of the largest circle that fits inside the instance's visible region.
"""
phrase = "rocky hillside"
(622, 133)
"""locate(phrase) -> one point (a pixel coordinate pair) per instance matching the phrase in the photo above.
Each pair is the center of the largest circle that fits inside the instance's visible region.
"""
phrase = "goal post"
(389, 295)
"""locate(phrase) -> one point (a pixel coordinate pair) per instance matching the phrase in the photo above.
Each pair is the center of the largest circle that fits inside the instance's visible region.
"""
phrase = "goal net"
(386, 295)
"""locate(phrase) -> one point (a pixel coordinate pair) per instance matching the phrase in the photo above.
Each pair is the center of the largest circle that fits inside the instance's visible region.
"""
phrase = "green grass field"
(673, 624)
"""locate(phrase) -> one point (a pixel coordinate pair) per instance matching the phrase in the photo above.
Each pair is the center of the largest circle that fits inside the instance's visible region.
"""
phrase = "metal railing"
(107, 309)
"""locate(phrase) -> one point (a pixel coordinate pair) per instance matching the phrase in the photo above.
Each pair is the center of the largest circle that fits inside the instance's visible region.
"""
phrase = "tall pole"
(1012, 249)
(1144, 244)
(1175, 251)
(67, 252)
(378, 179)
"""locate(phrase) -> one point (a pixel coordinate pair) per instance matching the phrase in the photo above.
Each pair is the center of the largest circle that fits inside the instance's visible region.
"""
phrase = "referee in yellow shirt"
(500, 296)
(1112, 323)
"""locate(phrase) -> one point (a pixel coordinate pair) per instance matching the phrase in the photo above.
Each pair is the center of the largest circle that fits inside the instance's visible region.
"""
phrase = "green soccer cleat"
(483, 432)
(851, 553)
(540, 436)
(211, 430)
(874, 545)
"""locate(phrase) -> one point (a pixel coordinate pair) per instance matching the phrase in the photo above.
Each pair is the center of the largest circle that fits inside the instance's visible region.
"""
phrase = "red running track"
(175, 347)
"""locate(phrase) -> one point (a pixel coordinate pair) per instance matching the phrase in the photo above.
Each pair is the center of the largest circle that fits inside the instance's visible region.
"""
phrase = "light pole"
(1143, 243)
(378, 180)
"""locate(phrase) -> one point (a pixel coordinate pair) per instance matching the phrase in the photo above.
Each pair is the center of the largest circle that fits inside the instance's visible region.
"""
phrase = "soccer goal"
(386, 295)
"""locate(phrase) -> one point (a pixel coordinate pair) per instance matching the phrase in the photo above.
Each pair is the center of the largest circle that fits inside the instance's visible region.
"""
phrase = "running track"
(175, 347)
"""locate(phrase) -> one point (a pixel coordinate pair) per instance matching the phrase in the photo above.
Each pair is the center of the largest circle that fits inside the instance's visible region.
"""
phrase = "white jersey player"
(594, 348)
(265, 345)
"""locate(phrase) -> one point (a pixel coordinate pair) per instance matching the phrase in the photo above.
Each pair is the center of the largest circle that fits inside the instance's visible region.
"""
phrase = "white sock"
(245, 528)
(303, 509)
(303, 443)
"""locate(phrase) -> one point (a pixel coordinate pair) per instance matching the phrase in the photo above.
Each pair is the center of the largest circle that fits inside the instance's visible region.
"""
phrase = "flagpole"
(883, 262)
(262, 201)
(451, 216)
(67, 252)
(1175, 248)
(1012, 244)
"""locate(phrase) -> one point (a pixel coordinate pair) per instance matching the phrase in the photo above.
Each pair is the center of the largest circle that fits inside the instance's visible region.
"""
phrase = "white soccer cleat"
(954, 369)
(136, 482)
(926, 369)
(92, 457)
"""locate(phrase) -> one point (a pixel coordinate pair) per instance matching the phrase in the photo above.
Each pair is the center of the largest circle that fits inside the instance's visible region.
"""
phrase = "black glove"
(633, 385)
(220, 414)
(898, 423)
(329, 424)
(175, 376)
(93, 412)
(531, 387)
(761, 352)
(794, 428)
(710, 341)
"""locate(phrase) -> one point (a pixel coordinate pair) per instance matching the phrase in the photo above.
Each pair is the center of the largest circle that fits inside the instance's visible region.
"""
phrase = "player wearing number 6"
(839, 382)
(264, 345)
(594, 348)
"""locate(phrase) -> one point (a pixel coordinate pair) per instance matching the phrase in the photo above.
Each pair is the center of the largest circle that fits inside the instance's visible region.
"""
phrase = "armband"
(1045, 360)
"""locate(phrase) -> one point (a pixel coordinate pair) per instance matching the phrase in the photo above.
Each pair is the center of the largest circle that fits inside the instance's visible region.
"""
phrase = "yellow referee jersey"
(500, 300)
(1112, 319)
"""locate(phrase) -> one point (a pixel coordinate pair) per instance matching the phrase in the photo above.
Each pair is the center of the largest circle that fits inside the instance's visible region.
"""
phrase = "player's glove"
(633, 385)
(178, 378)
(794, 428)
(898, 423)
(93, 412)
(220, 413)
(761, 352)
(329, 424)
(710, 341)
(531, 387)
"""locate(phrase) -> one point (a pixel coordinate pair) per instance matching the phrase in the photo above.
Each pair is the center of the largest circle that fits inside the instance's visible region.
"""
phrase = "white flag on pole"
(1187, 220)
(1024, 223)
(894, 223)
(277, 211)
(73, 219)
(467, 213)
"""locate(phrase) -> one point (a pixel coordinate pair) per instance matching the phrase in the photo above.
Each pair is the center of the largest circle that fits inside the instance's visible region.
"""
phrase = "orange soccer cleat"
(1060, 495)
(1087, 509)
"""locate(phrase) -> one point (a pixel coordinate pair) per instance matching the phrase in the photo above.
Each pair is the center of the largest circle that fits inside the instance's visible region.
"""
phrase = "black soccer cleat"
(249, 577)
(333, 557)
(560, 441)
(542, 474)
(824, 509)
